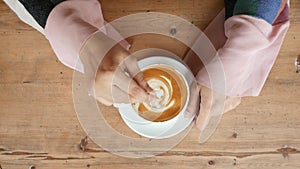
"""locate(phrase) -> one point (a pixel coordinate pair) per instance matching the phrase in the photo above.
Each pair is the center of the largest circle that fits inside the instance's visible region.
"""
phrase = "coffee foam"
(168, 96)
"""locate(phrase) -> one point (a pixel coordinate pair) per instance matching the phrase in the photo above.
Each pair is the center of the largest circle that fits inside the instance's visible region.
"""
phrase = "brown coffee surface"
(174, 94)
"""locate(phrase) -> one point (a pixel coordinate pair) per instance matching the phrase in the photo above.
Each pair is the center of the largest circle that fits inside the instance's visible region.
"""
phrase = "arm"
(249, 52)
(71, 28)
(247, 47)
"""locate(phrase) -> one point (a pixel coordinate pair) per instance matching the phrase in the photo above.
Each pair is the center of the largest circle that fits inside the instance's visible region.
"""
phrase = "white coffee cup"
(170, 127)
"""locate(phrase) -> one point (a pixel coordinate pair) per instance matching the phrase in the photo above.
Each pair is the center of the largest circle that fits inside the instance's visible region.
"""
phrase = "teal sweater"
(264, 9)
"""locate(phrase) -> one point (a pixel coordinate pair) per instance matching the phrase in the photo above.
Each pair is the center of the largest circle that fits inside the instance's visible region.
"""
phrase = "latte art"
(161, 95)
(168, 96)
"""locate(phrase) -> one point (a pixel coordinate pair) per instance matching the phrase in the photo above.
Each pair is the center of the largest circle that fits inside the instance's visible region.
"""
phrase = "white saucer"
(159, 130)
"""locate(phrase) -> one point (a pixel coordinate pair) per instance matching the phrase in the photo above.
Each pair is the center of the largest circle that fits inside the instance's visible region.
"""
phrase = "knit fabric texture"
(229, 7)
(40, 9)
(263, 9)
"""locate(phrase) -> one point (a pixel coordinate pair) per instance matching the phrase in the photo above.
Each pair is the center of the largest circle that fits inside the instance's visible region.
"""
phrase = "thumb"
(205, 107)
(193, 106)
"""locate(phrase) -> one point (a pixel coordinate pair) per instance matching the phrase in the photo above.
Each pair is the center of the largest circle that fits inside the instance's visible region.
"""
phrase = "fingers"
(104, 101)
(193, 106)
(120, 96)
(134, 71)
(102, 87)
(208, 103)
(107, 89)
(129, 86)
(140, 79)
(205, 107)
(119, 79)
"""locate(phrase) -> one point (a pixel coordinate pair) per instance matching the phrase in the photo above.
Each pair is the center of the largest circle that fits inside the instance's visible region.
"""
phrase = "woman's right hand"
(119, 79)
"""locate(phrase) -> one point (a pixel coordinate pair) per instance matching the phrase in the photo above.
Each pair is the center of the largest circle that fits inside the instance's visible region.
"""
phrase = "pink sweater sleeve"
(70, 24)
(247, 55)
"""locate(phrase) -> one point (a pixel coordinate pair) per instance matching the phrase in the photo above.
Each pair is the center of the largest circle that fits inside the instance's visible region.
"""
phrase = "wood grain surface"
(39, 127)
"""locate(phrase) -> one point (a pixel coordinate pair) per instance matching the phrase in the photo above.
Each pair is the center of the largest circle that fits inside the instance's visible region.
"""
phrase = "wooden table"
(39, 127)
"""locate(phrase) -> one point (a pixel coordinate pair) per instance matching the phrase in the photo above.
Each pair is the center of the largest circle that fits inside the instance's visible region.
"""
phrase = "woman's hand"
(119, 79)
(208, 101)
(206, 94)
